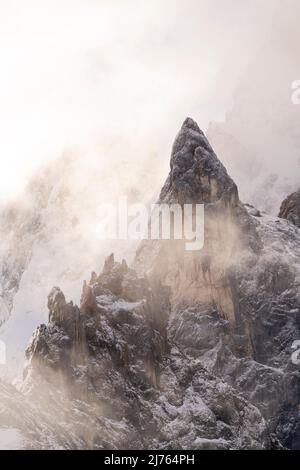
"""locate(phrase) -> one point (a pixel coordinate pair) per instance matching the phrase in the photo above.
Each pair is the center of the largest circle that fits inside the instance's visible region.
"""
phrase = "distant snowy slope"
(50, 237)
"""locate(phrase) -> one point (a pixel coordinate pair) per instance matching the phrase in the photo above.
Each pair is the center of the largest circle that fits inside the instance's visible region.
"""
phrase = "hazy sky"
(79, 72)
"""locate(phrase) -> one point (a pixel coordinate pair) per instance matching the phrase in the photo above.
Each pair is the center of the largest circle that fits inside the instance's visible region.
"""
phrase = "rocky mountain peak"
(191, 124)
(196, 174)
(196, 354)
(198, 177)
(56, 301)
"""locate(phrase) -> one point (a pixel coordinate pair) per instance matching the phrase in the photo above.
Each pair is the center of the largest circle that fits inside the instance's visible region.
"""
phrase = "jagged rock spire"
(56, 303)
(196, 175)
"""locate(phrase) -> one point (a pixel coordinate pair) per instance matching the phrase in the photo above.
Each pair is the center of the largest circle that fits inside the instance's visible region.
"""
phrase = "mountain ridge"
(181, 350)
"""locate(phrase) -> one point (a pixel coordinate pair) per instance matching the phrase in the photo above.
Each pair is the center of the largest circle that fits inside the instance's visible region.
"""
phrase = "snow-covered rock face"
(196, 354)
(196, 173)
(113, 363)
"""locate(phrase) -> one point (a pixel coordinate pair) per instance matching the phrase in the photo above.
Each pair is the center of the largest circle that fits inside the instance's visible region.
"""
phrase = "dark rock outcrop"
(290, 208)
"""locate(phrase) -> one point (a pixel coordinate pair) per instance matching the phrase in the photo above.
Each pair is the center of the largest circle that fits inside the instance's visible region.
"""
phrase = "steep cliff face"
(198, 177)
(253, 354)
(185, 349)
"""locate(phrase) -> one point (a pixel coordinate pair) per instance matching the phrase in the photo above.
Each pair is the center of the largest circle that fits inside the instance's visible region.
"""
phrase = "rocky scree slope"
(188, 349)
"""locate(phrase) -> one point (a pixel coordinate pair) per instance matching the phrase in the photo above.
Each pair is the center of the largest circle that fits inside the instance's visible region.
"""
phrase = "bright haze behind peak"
(76, 73)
